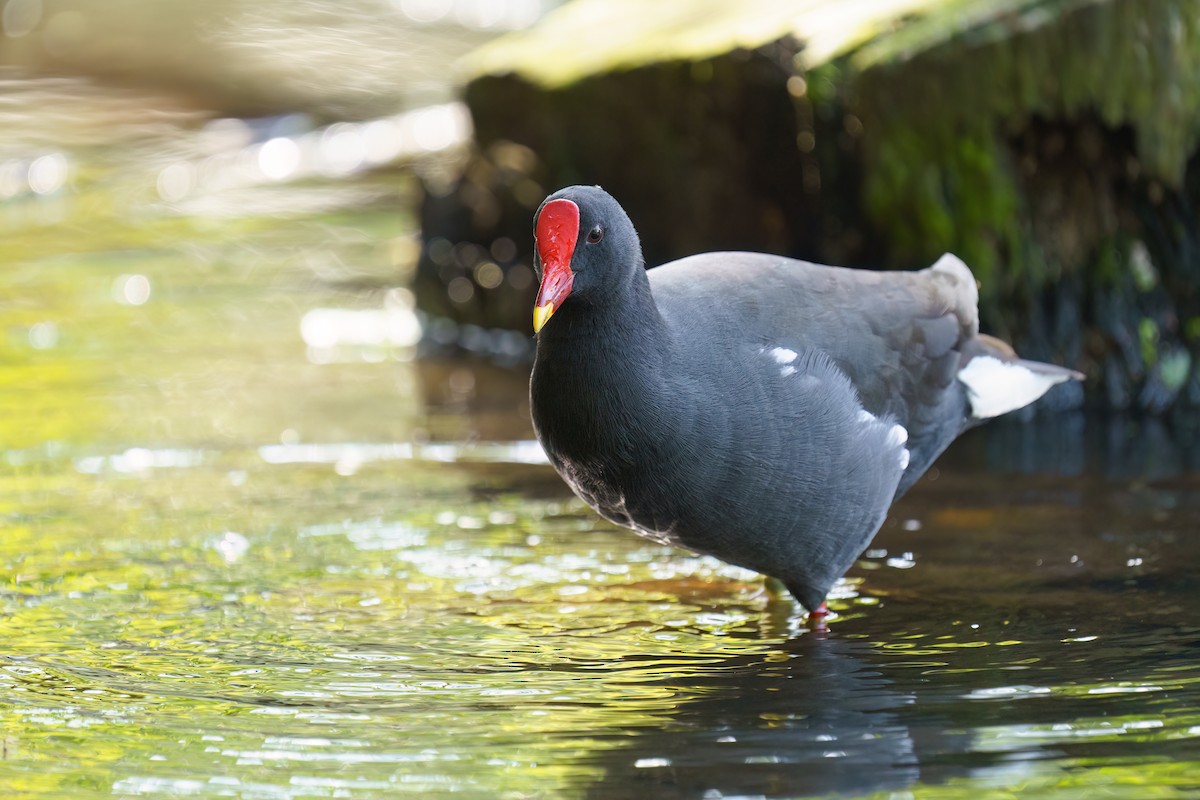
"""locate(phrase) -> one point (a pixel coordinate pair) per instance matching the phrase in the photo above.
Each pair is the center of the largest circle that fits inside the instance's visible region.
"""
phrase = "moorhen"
(764, 410)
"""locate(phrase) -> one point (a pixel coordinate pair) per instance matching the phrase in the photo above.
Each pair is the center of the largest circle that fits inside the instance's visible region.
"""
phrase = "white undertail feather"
(995, 387)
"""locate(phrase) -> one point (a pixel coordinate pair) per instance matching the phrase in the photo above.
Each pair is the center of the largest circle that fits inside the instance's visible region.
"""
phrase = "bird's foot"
(817, 617)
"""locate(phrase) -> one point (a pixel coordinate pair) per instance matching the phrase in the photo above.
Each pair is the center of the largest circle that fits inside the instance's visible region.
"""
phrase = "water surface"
(253, 544)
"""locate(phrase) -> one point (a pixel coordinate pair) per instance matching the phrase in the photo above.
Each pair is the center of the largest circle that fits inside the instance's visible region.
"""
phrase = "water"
(250, 552)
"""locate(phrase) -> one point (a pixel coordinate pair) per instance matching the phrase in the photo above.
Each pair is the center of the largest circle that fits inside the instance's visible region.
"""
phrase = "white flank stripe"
(897, 435)
(996, 387)
(782, 355)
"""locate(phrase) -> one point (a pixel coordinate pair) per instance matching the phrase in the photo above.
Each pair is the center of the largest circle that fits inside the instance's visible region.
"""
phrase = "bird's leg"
(778, 591)
(816, 619)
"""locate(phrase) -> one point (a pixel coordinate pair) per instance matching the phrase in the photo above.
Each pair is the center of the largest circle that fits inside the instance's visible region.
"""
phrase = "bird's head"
(585, 244)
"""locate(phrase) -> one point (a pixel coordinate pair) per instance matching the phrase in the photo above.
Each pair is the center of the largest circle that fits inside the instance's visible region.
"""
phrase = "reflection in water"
(1126, 447)
(811, 719)
(139, 460)
(525, 452)
(336, 334)
(240, 156)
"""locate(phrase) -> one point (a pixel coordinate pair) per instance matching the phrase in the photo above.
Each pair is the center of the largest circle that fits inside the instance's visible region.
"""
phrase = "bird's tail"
(997, 381)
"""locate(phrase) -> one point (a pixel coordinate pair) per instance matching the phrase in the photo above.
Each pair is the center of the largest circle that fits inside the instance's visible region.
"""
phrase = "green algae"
(940, 113)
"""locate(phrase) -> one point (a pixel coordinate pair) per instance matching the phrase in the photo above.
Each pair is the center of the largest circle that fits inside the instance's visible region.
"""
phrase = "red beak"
(557, 232)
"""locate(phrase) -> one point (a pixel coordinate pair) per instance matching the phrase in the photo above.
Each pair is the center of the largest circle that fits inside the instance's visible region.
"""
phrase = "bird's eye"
(595, 234)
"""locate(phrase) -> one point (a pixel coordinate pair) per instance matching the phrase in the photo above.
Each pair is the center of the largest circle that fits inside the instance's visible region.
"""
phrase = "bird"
(760, 409)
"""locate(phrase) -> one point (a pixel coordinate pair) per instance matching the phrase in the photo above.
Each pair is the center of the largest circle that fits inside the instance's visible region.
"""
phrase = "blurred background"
(1052, 145)
(272, 521)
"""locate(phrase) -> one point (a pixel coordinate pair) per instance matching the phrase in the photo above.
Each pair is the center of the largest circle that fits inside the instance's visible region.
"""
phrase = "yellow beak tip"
(540, 315)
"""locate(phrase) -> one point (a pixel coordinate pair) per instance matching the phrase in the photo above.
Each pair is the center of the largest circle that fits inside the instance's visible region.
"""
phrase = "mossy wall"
(1053, 156)
(1052, 144)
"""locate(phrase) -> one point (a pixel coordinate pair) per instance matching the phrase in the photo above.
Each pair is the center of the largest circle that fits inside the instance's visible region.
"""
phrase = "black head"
(587, 249)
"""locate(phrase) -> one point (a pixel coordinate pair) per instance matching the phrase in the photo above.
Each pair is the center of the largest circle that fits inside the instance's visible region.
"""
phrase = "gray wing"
(898, 336)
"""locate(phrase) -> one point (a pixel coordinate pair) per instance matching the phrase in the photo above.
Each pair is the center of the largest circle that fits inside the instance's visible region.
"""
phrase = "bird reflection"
(813, 719)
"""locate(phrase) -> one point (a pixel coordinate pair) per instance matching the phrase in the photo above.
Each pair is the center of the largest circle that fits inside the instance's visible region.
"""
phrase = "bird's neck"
(602, 373)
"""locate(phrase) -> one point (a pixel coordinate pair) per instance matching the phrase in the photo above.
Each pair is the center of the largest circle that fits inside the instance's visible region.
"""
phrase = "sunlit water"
(245, 554)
